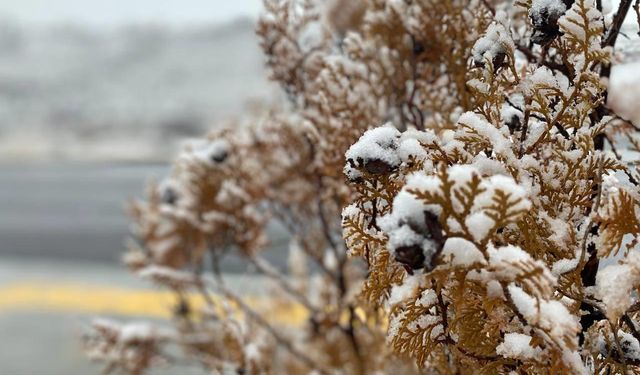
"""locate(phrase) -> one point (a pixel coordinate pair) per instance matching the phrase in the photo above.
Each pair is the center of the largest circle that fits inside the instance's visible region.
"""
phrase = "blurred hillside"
(124, 93)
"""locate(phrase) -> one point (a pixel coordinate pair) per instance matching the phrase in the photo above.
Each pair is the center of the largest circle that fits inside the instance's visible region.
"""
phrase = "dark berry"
(377, 166)
(169, 196)
(410, 256)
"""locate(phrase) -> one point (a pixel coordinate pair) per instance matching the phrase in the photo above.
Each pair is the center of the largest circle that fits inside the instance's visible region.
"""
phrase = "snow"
(630, 345)
(460, 252)
(404, 236)
(405, 290)
(498, 138)
(552, 7)
(623, 94)
(407, 207)
(427, 298)
(506, 185)
(550, 315)
(479, 225)
(411, 147)
(507, 254)
(493, 45)
(517, 345)
(563, 266)
(379, 144)
(212, 152)
(545, 77)
(478, 222)
(615, 283)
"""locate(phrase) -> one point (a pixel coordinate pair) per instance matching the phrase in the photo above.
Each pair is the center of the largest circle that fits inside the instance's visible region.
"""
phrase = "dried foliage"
(478, 203)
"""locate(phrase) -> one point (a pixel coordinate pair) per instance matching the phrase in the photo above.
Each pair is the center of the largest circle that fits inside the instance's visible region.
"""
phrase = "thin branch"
(281, 340)
(489, 7)
(636, 8)
(618, 19)
(267, 269)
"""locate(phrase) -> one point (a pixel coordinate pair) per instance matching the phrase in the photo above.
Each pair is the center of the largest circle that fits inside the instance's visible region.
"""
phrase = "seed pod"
(219, 157)
(169, 196)
(418, 48)
(416, 244)
(544, 15)
(513, 123)
(410, 256)
(377, 166)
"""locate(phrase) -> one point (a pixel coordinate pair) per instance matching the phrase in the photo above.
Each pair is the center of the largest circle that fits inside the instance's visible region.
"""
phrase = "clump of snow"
(460, 252)
(615, 283)
(630, 346)
(479, 225)
(517, 346)
(376, 151)
(550, 315)
(401, 292)
(493, 46)
(477, 222)
(506, 263)
(544, 77)
(497, 137)
(563, 266)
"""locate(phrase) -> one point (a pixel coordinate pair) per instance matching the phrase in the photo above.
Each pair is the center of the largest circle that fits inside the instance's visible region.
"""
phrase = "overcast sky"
(117, 12)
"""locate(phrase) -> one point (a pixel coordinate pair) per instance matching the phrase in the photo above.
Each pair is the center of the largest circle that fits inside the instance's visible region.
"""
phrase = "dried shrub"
(440, 167)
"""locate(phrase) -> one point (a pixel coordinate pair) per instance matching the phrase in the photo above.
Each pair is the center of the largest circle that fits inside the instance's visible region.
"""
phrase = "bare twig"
(267, 269)
(280, 339)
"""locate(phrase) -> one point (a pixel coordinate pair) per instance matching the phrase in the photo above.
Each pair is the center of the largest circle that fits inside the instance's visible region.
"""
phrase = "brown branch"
(618, 19)
(268, 270)
(281, 340)
(636, 8)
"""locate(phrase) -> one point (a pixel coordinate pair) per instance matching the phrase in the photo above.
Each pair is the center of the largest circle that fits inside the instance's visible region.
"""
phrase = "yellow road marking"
(98, 299)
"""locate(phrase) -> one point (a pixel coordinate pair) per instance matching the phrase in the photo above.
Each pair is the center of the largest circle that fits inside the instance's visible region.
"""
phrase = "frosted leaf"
(167, 276)
(507, 254)
(544, 77)
(498, 138)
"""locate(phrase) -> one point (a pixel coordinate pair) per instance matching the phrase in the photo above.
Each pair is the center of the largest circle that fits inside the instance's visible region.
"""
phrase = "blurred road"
(62, 230)
(75, 212)
(68, 211)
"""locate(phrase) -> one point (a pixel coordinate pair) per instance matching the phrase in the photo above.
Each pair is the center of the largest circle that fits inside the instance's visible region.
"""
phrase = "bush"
(473, 222)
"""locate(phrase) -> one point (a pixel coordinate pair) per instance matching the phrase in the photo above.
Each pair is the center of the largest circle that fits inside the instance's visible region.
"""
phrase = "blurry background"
(95, 99)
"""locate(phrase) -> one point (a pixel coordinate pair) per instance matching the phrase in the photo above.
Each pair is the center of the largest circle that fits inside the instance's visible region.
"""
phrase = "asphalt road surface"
(75, 212)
